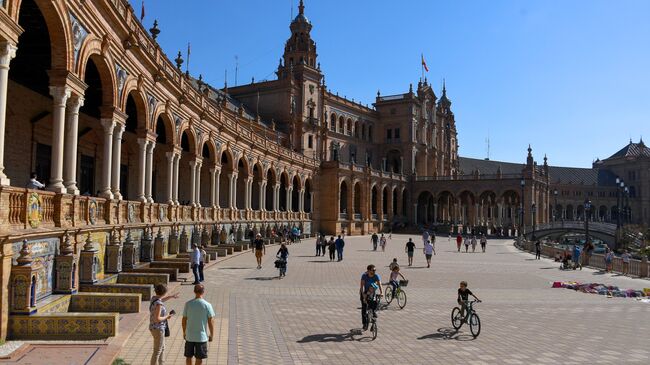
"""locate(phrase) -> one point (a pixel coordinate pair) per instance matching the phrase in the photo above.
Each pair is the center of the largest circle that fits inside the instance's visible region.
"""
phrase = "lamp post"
(626, 206)
(587, 213)
(555, 206)
(521, 209)
(533, 210)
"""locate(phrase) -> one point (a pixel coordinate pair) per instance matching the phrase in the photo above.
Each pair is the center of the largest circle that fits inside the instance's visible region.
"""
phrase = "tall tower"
(300, 49)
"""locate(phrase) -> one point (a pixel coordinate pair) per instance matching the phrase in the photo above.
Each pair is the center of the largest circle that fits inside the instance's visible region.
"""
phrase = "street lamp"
(534, 212)
(587, 213)
(626, 208)
(521, 226)
(555, 207)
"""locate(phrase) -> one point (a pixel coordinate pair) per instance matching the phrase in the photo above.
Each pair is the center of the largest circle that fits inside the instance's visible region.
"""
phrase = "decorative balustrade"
(357, 216)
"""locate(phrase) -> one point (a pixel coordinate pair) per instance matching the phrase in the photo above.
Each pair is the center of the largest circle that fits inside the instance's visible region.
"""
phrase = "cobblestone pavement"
(307, 317)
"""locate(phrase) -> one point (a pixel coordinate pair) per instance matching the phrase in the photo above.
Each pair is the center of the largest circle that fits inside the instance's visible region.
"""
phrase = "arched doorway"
(207, 170)
(271, 182)
(425, 208)
(164, 161)
(343, 199)
(308, 196)
(257, 187)
(224, 180)
(373, 201)
(284, 187)
(295, 195)
(186, 184)
(242, 180)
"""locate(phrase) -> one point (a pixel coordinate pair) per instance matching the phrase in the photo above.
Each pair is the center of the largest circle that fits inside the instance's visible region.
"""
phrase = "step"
(183, 267)
(172, 272)
(142, 278)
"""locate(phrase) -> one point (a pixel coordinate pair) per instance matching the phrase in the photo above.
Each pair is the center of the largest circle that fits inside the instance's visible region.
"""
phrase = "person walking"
(332, 248)
(410, 249)
(382, 243)
(339, 248)
(467, 244)
(483, 242)
(588, 249)
(625, 257)
(425, 237)
(318, 245)
(609, 259)
(473, 244)
(538, 250)
(459, 241)
(158, 317)
(283, 255)
(324, 244)
(374, 238)
(260, 250)
(197, 315)
(196, 263)
(576, 257)
(204, 261)
(428, 252)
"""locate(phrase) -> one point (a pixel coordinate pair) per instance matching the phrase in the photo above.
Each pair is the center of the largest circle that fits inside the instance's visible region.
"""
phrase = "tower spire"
(301, 8)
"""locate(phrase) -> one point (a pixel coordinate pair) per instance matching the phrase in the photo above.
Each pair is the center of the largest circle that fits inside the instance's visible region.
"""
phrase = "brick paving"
(307, 317)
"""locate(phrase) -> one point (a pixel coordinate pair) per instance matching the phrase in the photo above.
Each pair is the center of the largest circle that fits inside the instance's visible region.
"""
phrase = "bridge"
(601, 230)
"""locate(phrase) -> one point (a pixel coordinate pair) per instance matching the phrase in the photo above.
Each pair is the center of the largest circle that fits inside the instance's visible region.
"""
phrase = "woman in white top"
(428, 252)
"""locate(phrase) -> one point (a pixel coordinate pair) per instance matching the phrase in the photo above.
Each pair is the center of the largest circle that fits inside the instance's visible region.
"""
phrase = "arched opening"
(136, 120)
(357, 201)
(271, 181)
(356, 129)
(394, 212)
(257, 187)
(224, 179)
(512, 209)
(425, 208)
(308, 196)
(343, 198)
(384, 200)
(404, 202)
(284, 187)
(446, 204)
(295, 195)
(559, 212)
(487, 209)
(348, 127)
(163, 170)
(341, 128)
(373, 200)
(580, 210)
(569, 212)
(209, 161)
(188, 156)
(242, 179)
(333, 122)
(394, 161)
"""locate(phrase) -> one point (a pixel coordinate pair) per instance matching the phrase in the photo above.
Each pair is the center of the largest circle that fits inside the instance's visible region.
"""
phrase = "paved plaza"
(307, 318)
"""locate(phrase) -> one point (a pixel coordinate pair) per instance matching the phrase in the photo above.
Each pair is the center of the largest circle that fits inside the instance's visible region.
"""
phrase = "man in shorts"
(197, 315)
(259, 249)
(410, 249)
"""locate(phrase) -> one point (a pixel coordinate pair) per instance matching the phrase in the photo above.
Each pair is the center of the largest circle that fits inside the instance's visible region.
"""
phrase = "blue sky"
(572, 78)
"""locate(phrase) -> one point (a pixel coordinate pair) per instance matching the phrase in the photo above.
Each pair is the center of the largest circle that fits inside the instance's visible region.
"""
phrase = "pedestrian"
(283, 255)
(318, 245)
(433, 243)
(259, 249)
(483, 242)
(467, 244)
(410, 249)
(158, 326)
(382, 243)
(425, 236)
(459, 241)
(609, 258)
(576, 257)
(538, 250)
(390, 234)
(196, 263)
(33, 182)
(332, 248)
(428, 252)
(197, 315)
(204, 260)
(374, 240)
(625, 257)
(587, 251)
(393, 264)
(339, 248)
(473, 244)
(324, 244)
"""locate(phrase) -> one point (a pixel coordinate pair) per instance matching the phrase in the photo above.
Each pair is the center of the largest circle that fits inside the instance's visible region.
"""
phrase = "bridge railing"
(609, 228)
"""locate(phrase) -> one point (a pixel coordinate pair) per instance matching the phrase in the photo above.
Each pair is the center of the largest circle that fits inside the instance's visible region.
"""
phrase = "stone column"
(117, 154)
(276, 197)
(262, 196)
(142, 168)
(301, 201)
(177, 161)
(71, 141)
(7, 53)
(193, 165)
(171, 158)
(232, 203)
(290, 196)
(213, 186)
(198, 183)
(60, 95)
(435, 212)
(148, 183)
(248, 193)
(109, 126)
(217, 180)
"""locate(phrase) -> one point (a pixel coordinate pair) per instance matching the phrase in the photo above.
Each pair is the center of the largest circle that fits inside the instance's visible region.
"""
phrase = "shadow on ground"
(447, 333)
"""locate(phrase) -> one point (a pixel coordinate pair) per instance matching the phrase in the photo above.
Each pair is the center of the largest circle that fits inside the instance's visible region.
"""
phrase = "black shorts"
(196, 349)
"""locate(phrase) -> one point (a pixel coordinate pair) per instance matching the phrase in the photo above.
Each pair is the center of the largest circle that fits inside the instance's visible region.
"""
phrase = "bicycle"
(471, 317)
(281, 264)
(371, 317)
(399, 293)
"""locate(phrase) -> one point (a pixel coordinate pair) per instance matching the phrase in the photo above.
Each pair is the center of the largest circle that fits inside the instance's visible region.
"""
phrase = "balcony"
(343, 216)
(357, 216)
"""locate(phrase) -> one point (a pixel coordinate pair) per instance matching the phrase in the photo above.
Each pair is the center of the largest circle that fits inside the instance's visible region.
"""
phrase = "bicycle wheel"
(401, 299)
(388, 294)
(456, 319)
(474, 325)
(373, 328)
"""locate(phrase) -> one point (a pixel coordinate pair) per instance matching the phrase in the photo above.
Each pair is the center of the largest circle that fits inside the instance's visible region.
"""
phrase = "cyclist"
(370, 282)
(463, 297)
(283, 255)
(393, 264)
(394, 275)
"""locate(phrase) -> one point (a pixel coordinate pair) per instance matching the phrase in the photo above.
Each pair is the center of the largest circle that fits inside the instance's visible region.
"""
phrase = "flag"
(142, 12)
(424, 64)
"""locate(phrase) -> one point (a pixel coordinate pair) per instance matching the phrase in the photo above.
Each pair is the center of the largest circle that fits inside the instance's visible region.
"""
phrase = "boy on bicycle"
(370, 282)
(463, 297)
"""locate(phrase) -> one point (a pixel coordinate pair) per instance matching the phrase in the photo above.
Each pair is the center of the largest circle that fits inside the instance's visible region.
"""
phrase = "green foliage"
(119, 361)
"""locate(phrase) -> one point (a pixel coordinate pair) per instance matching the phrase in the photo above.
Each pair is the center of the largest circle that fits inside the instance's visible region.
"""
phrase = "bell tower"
(300, 49)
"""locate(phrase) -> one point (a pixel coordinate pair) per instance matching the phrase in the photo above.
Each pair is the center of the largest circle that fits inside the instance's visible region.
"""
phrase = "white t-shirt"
(626, 257)
(428, 248)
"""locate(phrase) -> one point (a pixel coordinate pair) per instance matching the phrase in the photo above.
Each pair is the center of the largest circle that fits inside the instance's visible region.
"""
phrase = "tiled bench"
(105, 302)
(142, 278)
(183, 267)
(146, 290)
(172, 272)
(63, 326)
